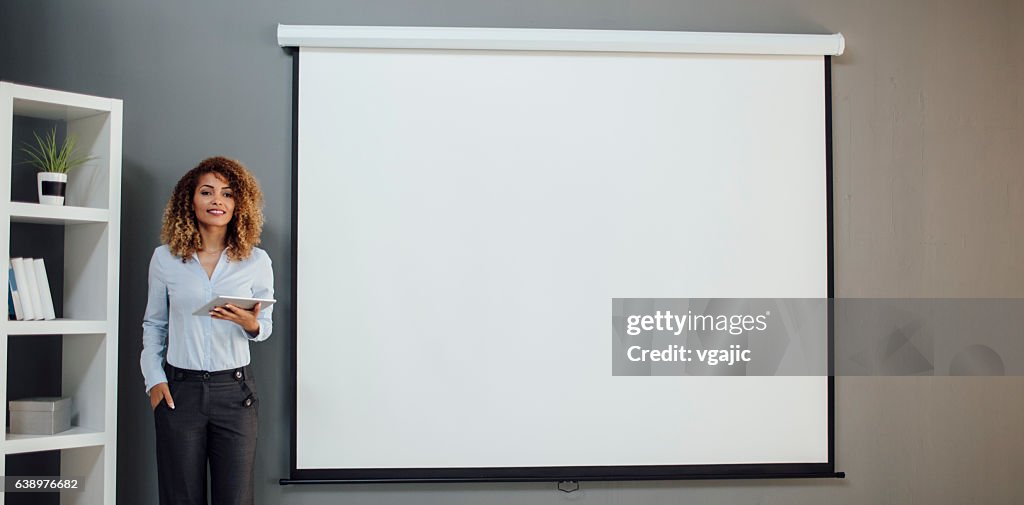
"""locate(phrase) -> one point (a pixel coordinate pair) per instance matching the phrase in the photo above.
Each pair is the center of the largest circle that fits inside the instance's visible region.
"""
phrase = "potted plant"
(53, 163)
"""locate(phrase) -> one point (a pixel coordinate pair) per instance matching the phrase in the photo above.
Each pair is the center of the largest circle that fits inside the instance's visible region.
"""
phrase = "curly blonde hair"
(181, 229)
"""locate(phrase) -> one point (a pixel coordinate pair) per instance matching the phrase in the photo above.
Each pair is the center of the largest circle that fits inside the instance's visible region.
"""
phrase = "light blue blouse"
(176, 289)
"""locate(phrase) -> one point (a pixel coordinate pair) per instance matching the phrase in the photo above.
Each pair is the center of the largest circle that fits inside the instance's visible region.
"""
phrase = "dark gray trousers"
(214, 421)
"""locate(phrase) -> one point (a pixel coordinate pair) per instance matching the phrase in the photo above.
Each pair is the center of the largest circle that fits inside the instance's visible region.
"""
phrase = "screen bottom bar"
(812, 475)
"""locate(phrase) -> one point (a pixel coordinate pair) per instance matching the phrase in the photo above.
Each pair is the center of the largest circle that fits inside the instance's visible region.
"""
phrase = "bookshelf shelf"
(43, 103)
(80, 246)
(52, 214)
(56, 327)
(76, 437)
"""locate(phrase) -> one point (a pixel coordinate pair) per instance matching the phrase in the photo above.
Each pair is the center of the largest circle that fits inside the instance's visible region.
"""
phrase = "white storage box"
(40, 416)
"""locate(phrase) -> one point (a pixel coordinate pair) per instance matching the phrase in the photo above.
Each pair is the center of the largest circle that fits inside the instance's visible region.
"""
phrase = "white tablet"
(237, 301)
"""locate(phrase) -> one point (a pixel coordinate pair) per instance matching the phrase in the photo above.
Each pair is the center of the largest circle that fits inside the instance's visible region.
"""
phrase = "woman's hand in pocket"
(160, 392)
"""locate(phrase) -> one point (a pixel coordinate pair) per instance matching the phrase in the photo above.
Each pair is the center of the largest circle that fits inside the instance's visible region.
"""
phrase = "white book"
(44, 290)
(12, 282)
(33, 289)
(21, 277)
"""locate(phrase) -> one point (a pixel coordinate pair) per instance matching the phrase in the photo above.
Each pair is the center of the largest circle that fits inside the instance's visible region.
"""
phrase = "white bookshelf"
(90, 221)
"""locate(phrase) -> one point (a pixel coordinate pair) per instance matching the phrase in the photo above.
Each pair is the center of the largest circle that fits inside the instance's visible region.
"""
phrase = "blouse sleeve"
(263, 287)
(154, 327)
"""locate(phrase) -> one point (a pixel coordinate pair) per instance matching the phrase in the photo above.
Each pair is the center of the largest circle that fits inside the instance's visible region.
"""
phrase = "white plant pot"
(52, 186)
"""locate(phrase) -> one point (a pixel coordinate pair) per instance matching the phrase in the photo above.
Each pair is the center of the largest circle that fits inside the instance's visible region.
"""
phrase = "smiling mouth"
(216, 212)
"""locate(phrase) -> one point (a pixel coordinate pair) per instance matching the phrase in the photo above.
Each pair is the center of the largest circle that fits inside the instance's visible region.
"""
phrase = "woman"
(197, 372)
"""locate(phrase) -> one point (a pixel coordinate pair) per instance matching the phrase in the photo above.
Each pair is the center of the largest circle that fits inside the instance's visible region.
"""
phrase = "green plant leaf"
(47, 157)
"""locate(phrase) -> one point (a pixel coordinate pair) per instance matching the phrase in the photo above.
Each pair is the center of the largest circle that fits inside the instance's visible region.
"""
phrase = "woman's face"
(214, 201)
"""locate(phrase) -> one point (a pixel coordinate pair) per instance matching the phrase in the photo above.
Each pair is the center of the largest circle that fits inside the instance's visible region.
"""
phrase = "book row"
(30, 297)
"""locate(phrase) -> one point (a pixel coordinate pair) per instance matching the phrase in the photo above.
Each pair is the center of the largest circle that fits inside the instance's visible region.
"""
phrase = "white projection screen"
(467, 208)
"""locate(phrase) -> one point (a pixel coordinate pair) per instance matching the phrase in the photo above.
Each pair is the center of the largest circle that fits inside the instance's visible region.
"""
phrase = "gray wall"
(929, 129)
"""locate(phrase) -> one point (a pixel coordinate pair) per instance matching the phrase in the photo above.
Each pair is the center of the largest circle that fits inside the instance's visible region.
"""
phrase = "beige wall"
(929, 150)
(929, 130)
(929, 188)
